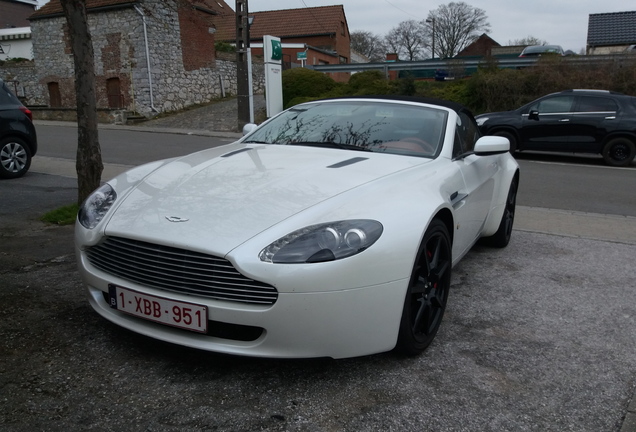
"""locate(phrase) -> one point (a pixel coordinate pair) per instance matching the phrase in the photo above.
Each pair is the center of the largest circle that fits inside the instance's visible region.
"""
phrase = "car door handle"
(610, 118)
(564, 120)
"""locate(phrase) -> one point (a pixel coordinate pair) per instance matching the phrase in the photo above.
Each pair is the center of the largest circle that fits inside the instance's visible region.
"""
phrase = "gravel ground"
(540, 336)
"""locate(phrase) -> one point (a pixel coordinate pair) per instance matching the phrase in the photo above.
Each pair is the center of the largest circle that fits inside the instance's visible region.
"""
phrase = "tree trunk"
(88, 164)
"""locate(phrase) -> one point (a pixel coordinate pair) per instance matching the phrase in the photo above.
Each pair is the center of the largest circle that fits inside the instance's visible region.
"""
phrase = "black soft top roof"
(432, 101)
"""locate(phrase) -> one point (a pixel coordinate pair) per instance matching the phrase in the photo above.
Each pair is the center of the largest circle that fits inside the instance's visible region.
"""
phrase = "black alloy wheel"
(619, 152)
(501, 238)
(427, 293)
(15, 158)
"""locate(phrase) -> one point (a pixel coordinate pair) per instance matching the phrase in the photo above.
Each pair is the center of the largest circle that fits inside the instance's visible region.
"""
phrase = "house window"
(343, 60)
(113, 89)
(55, 97)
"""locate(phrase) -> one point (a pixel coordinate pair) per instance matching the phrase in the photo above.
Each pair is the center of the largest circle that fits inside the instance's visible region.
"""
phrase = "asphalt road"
(540, 336)
(577, 183)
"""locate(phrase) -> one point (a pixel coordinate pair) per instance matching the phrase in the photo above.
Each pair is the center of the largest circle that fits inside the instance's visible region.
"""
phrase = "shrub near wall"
(299, 87)
(490, 89)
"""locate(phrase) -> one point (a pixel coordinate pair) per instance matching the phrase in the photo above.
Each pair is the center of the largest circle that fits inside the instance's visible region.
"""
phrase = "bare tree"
(408, 40)
(456, 25)
(368, 44)
(88, 164)
(528, 40)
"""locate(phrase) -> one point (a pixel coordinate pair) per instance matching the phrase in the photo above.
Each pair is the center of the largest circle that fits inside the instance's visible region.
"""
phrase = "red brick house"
(15, 13)
(482, 46)
(322, 32)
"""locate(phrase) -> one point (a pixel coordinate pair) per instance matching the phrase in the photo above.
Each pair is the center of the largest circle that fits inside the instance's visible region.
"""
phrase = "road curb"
(176, 131)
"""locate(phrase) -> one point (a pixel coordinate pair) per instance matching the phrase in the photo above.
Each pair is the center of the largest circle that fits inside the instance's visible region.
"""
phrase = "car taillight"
(27, 111)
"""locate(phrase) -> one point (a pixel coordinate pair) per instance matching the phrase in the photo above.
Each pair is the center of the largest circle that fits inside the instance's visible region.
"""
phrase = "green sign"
(301, 55)
(277, 50)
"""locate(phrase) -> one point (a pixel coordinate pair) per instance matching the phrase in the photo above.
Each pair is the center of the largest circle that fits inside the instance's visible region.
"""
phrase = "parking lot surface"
(540, 336)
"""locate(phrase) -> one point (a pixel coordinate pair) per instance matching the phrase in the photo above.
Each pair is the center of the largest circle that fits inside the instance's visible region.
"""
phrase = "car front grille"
(178, 270)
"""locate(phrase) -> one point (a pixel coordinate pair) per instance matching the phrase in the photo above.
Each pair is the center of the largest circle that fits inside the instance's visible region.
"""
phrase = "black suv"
(18, 141)
(585, 121)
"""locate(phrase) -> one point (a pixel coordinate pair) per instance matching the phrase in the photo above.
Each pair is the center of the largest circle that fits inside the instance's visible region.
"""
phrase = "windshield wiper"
(329, 144)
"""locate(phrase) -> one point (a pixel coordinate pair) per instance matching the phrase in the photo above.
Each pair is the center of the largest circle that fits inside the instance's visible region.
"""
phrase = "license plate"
(189, 316)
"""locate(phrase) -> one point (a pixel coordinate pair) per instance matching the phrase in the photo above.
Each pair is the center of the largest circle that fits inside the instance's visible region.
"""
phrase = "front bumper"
(335, 323)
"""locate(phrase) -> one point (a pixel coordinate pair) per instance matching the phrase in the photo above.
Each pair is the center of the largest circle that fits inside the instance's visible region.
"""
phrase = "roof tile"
(289, 22)
(615, 28)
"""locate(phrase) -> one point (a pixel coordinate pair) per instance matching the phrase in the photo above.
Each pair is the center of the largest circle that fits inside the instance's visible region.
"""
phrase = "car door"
(550, 130)
(473, 202)
(593, 117)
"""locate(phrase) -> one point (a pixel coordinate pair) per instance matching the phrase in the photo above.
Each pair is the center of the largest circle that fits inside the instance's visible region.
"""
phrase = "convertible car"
(328, 231)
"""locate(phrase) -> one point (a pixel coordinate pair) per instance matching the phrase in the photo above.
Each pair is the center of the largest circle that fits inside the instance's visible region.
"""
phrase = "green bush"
(224, 47)
(489, 89)
(367, 83)
(301, 82)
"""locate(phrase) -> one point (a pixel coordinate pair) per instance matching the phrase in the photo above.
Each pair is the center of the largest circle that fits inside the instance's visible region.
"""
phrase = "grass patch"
(62, 216)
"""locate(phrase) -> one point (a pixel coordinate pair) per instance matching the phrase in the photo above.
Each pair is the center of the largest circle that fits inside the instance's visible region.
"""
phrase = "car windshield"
(541, 49)
(358, 125)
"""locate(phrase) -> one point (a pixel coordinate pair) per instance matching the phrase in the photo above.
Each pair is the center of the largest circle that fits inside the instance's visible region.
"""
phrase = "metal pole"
(242, 78)
(432, 22)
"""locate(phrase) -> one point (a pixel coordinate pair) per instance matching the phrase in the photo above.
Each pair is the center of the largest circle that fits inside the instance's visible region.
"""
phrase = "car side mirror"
(249, 127)
(491, 145)
(533, 115)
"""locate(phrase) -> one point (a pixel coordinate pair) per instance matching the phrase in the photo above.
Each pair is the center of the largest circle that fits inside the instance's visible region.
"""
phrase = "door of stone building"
(55, 97)
(113, 89)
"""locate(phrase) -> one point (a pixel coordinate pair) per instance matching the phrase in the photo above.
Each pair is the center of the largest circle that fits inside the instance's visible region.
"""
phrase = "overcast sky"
(559, 22)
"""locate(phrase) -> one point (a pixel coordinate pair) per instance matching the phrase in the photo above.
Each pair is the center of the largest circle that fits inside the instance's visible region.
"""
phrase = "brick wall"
(14, 14)
(197, 39)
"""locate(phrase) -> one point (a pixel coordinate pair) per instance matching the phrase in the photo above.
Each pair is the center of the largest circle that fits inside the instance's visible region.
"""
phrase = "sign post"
(302, 56)
(273, 51)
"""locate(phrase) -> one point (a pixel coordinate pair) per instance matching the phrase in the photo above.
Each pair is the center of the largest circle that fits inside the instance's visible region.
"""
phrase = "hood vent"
(348, 162)
(236, 152)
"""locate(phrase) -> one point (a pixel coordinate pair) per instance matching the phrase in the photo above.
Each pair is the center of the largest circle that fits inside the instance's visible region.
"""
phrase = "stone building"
(150, 55)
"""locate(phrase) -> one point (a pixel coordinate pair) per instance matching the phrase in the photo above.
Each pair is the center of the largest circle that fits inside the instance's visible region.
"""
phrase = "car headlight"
(481, 120)
(95, 207)
(324, 242)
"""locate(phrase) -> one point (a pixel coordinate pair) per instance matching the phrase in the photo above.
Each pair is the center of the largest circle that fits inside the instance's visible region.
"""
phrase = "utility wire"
(314, 16)
(400, 9)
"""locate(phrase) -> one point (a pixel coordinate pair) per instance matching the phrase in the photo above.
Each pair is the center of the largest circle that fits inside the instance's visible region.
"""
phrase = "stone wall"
(120, 55)
(22, 78)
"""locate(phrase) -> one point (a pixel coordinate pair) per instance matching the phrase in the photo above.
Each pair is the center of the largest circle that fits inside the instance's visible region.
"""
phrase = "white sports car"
(328, 231)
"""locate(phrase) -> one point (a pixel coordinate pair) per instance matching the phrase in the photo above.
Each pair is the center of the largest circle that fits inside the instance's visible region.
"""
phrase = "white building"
(16, 43)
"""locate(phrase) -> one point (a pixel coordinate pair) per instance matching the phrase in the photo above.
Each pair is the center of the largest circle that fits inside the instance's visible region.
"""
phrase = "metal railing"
(436, 64)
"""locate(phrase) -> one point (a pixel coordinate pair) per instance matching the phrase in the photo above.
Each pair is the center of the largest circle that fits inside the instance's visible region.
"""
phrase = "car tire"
(619, 152)
(502, 237)
(511, 138)
(15, 158)
(427, 292)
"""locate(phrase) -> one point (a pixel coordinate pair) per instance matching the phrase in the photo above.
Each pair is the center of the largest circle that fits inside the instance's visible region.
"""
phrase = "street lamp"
(432, 22)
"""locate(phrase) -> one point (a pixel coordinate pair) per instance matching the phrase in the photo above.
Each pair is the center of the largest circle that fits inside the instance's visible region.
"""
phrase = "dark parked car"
(539, 50)
(18, 141)
(581, 121)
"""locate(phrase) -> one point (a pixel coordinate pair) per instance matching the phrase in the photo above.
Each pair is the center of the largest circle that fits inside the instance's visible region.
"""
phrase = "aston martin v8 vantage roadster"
(328, 231)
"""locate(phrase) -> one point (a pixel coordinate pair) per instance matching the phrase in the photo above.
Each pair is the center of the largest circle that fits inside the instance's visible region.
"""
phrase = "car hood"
(217, 199)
